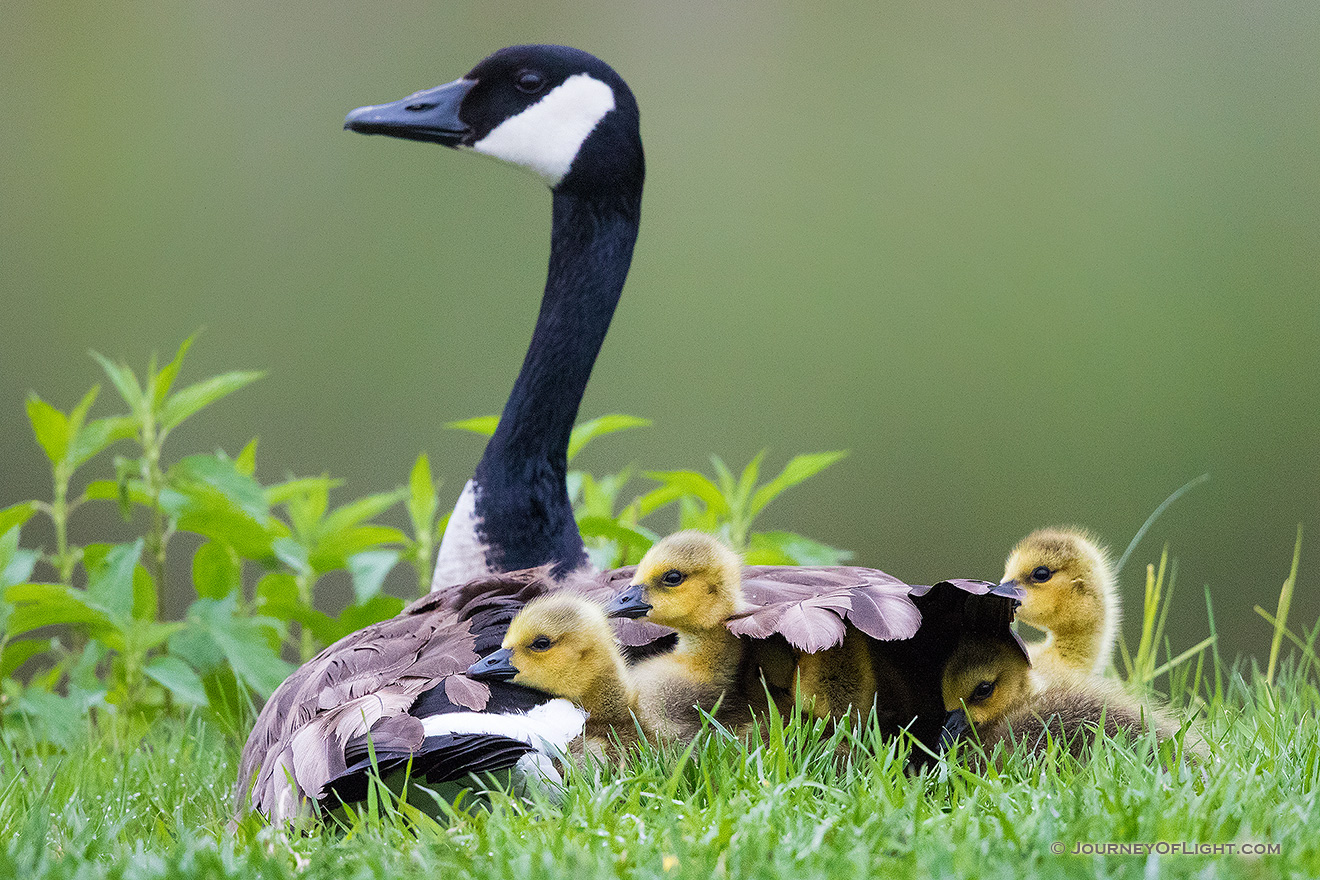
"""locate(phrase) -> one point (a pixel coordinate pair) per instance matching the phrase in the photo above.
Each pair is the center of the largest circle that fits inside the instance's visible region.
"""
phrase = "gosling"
(1070, 594)
(562, 644)
(988, 691)
(691, 583)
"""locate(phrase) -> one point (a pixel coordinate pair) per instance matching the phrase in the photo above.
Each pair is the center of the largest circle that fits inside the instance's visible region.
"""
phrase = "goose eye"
(540, 643)
(672, 578)
(1041, 574)
(982, 692)
(530, 81)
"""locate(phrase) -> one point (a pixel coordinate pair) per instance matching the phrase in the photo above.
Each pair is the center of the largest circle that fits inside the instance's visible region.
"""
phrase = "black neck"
(523, 500)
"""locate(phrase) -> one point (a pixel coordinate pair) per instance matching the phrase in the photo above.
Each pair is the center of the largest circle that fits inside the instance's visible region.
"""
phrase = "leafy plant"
(91, 640)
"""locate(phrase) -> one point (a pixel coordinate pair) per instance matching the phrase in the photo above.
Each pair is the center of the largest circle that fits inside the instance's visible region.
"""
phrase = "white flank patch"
(462, 555)
(546, 136)
(550, 727)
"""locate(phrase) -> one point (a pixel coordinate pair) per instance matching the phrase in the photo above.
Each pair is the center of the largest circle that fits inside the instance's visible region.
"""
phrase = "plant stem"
(59, 515)
(156, 538)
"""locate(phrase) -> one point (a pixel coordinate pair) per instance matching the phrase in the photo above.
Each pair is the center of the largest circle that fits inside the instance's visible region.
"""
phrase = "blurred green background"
(1033, 263)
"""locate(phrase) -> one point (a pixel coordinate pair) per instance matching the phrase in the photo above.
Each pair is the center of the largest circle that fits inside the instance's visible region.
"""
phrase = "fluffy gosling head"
(1070, 591)
(561, 644)
(689, 581)
(984, 680)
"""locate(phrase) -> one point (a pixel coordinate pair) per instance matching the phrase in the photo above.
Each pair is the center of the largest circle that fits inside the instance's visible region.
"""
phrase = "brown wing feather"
(367, 679)
(809, 605)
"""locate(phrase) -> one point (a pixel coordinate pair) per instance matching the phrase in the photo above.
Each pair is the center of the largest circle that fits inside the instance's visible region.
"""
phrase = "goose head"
(984, 680)
(689, 581)
(559, 112)
(561, 644)
(1070, 591)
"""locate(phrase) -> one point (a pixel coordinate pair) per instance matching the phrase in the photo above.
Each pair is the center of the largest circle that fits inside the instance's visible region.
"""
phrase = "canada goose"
(401, 686)
(563, 644)
(1070, 593)
(572, 120)
(988, 690)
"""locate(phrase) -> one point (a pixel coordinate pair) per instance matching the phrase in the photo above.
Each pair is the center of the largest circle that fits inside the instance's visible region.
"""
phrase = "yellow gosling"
(1070, 594)
(563, 644)
(693, 584)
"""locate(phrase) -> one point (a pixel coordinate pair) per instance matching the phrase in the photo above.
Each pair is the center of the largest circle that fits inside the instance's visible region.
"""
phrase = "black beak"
(955, 726)
(495, 666)
(1012, 589)
(629, 602)
(430, 115)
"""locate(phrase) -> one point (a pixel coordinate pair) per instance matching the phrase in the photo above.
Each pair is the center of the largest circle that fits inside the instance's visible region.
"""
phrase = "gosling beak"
(629, 602)
(496, 666)
(430, 115)
(955, 726)
(1010, 589)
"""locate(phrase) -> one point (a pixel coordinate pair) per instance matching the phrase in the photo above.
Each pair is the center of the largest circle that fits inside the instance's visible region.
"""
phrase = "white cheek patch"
(546, 136)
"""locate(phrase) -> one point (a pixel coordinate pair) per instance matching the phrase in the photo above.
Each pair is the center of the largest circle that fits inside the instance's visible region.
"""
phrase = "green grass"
(781, 807)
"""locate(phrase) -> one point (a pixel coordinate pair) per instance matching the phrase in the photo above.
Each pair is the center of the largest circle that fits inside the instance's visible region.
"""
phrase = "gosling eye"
(541, 643)
(982, 692)
(1040, 574)
(530, 81)
(672, 578)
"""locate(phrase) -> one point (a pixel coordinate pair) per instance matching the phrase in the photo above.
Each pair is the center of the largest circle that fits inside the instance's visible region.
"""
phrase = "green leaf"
(589, 430)
(165, 378)
(38, 605)
(126, 383)
(483, 425)
(202, 394)
(244, 643)
(724, 477)
(277, 597)
(78, 415)
(290, 490)
(292, 554)
(51, 428)
(748, 480)
(681, 483)
(15, 654)
(147, 635)
(15, 564)
(787, 548)
(334, 550)
(369, 569)
(362, 509)
(110, 580)
(603, 527)
(374, 610)
(221, 475)
(99, 435)
(423, 501)
(307, 510)
(18, 568)
(216, 571)
(13, 516)
(177, 677)
(246, 463)
(802, 467)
